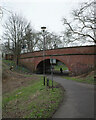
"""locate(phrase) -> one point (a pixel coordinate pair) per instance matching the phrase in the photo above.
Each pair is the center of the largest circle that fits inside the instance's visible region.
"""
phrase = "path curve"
(78, 100)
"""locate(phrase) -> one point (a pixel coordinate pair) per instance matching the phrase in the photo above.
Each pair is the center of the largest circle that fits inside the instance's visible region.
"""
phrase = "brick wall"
(78, 59)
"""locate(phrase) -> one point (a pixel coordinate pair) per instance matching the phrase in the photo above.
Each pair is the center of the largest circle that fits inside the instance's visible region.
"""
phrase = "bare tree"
(31, 37)
(52, 41)
(15, 32)
(1, 12)
(83, 26)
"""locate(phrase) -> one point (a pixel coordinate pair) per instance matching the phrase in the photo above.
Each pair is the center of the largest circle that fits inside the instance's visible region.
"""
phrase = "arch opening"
(56, 67)
(39, 68)
(59, 65)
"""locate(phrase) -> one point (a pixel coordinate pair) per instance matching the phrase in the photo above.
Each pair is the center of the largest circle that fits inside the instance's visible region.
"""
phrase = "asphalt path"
(78, 99)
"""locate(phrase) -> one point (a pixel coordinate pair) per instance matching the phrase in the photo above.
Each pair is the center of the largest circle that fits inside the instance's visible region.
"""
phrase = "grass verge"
(88, 79)
(33, 101)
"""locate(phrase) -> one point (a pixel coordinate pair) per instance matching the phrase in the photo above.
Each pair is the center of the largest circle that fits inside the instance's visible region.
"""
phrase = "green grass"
(88, 79)
(16, 68)
(32, 101)
(57, 67)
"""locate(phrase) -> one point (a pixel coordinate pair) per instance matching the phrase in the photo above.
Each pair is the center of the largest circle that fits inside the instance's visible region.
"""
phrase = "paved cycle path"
(78, 100)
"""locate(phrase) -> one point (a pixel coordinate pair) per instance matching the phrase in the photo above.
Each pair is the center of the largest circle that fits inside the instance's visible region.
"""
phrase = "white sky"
(47, 13)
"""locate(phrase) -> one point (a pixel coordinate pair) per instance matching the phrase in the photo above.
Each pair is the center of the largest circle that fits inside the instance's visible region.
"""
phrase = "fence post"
(47, 81)
(44, 81)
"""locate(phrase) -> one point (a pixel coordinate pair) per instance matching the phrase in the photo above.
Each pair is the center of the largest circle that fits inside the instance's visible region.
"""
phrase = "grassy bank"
(25, 96)
(16, 68)
(32, 101)
(84, 79)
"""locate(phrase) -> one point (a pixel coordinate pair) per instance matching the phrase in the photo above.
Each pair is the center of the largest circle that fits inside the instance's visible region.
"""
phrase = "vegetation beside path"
(26, 96)
(85, 78)
(63, 66)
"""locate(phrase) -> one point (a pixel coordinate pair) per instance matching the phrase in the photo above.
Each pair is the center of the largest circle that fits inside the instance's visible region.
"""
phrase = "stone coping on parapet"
(62, 48)
(57, 55)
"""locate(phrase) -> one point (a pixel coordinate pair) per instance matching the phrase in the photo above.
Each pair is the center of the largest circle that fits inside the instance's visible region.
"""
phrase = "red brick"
(77, 64)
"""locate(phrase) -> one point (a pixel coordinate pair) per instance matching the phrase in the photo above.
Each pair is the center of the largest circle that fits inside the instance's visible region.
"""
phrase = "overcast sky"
(47, 13)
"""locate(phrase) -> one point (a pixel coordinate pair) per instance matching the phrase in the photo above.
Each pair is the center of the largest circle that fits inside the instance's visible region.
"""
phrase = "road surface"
(78, 100)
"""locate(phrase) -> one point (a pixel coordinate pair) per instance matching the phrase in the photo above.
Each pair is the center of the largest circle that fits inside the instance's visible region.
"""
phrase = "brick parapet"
(72, 50)
(78, 59)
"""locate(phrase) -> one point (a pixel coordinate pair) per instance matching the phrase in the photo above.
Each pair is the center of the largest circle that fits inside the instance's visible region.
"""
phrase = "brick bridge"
(78, 59)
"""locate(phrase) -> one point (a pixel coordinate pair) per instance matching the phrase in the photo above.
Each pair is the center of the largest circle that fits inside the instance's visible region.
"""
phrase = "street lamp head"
(43, 28)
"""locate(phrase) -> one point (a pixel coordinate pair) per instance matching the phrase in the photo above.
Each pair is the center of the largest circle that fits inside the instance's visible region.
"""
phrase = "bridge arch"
(39, 65)
(78, 59)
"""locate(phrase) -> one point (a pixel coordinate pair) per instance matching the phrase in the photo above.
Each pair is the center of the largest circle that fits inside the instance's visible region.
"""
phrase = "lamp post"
(52, 70)
(43, 29)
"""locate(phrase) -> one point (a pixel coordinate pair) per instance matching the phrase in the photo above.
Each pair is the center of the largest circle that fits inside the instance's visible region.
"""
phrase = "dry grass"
(25, 96)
